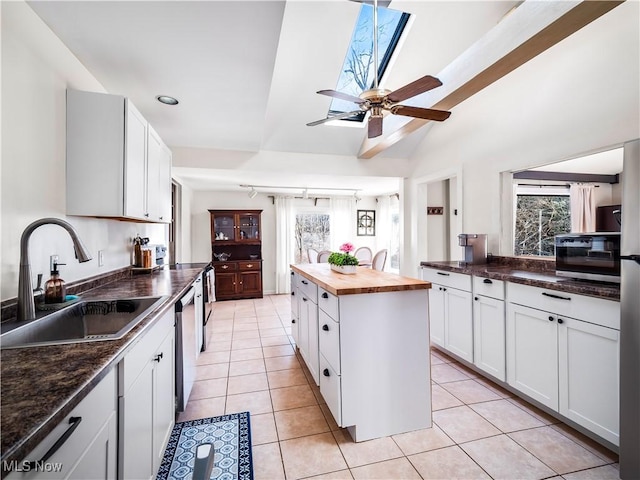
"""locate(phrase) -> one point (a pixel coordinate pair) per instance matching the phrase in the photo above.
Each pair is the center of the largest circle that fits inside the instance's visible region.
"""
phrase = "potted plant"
(343, 262)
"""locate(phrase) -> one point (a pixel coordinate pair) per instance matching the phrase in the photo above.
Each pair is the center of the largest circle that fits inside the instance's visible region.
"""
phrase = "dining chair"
(379, 259)
(312, 255)
(363, 254)
(323, 256)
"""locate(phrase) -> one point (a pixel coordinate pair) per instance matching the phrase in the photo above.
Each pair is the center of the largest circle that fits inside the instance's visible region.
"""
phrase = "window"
(357, 74)
(311, 231)
(541, 213)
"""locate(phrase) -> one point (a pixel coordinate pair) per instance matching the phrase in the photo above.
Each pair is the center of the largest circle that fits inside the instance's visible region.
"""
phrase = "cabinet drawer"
(590, 309)
(329, 303)
(488, 287)
(331, 390)
(250, 265)
(95, 410)
(329, 333)
(308, 289)
(225, 266)
(140, 354)
(460, 281)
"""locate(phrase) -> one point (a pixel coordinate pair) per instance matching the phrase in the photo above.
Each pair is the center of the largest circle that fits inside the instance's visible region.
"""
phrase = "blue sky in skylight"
(357, 72)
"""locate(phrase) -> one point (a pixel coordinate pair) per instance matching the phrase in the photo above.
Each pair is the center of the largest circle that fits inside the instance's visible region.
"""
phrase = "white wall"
(580, 96)
(36, 71)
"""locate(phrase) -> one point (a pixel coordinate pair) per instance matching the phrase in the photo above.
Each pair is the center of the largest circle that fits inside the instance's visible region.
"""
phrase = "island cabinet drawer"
(251, 265)
(461, 281)
(329, 303)
(308, 289)
(331, 389)
(329, 333)
(488, 287)
(143, 351)
(599, 311)
(225, 266)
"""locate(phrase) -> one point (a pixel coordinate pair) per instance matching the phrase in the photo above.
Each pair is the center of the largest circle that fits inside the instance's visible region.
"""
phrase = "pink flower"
(347, 247)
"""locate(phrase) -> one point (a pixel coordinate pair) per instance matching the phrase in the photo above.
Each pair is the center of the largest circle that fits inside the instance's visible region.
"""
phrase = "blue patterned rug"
(231, 438)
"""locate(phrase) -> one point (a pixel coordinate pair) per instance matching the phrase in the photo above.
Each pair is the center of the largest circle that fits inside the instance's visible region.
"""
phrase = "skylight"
(357, 74)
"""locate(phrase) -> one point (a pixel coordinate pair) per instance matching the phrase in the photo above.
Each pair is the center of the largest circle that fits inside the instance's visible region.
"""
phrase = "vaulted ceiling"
(246, 72)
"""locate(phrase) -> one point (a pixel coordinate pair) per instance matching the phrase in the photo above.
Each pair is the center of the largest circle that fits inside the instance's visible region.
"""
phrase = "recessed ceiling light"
(167, 100)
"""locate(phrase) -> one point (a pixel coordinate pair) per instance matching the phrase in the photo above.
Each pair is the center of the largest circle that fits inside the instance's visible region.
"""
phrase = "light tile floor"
(479, 429)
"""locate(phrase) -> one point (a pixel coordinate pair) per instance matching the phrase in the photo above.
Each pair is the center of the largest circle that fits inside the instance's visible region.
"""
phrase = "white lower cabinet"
(489, 336)
(295, 308)
(147, 401)
(568, 364)
(308, 334)
(450, 311)
(589, 376)
(532, 353)
(89, 451)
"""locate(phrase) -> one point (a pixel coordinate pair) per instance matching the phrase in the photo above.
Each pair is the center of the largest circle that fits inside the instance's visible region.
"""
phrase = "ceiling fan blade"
(341, 96)
(375, 126)
(417, 112)
(414, 88)
(334, 117)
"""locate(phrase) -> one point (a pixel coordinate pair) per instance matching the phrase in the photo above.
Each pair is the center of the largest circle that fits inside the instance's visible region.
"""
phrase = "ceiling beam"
(529, 30)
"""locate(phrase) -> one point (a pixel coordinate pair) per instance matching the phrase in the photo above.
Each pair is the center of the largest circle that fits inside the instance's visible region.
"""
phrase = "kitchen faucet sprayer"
(26, 305)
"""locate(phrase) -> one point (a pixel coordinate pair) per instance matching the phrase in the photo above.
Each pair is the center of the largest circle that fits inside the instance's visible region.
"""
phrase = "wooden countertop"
(365, 280)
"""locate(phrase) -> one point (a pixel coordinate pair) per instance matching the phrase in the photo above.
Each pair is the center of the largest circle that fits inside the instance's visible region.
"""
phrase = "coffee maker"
(475, 247)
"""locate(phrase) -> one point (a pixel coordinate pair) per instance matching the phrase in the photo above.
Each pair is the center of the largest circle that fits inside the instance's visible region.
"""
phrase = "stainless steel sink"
(85, 321)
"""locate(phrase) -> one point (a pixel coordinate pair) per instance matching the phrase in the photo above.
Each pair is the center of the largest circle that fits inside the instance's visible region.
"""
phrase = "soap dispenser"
(55, 290)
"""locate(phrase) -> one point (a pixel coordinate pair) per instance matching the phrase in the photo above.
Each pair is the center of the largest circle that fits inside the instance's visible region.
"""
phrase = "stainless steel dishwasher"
(186, 354)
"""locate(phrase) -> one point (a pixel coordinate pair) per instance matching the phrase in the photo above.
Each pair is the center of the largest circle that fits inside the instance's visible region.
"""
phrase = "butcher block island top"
(365, 280)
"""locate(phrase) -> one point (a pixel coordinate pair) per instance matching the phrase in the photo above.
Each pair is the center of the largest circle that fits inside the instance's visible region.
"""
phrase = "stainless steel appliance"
(475, 247)
(187, 325)
(159, 254)
(630, 315)
(589, 256)
(208, 294)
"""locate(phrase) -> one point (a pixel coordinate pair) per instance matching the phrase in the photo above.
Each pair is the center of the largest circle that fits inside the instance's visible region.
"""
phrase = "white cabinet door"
(136, 428)
(295, 315)
(135, 168)
(436, 314)
(303, 326)
(589, 370)
(314, 350)
(164, 405)
(458, 333)
(532, 353)
(489, 336)
(158, 178)
(99, 459)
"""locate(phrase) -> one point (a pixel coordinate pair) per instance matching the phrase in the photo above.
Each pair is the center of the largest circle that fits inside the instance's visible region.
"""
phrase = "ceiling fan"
(376, 99)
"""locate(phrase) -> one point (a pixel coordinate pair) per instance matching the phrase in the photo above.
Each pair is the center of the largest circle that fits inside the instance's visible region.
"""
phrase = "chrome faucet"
(26, 305)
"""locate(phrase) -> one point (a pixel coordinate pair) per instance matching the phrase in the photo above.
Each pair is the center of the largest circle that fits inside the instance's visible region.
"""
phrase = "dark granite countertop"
(537, 273)
(41, 385)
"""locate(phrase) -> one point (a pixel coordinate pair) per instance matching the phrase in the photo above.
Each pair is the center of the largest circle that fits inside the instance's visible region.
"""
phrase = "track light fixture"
(305, 190)
(253, 193)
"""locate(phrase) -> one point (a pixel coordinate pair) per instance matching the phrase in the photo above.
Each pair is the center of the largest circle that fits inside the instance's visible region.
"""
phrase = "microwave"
(589, 256)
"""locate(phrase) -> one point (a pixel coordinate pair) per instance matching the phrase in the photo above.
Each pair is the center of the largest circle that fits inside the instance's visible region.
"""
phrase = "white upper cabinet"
(117, 165)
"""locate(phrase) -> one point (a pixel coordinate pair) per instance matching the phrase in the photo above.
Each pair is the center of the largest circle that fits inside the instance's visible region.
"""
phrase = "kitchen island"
(365, 340)
(40, 385)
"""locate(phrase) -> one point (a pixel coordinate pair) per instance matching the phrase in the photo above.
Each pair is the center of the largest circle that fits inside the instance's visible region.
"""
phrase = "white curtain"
(583, 208)
(285, 224)
(383, 223)
(342, 221)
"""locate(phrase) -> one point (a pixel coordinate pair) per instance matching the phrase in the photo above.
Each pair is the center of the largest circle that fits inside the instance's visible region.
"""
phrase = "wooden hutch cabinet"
(236, 253)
